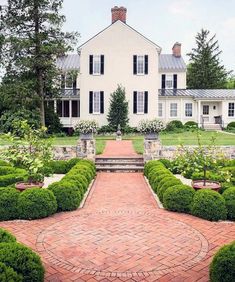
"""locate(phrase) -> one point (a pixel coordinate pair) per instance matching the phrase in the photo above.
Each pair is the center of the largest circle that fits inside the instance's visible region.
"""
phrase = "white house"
(155, 83)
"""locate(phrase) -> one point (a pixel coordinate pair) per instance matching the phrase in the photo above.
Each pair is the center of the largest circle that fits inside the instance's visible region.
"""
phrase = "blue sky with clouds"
(164, 22)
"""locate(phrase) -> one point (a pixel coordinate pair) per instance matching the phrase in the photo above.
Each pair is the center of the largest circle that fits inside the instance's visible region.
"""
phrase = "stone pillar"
(152, 149)
(86, 149)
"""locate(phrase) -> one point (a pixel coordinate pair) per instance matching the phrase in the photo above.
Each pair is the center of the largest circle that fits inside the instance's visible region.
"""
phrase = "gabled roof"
(128, 26)
(68, 62)
(199, 93)
(168, 62)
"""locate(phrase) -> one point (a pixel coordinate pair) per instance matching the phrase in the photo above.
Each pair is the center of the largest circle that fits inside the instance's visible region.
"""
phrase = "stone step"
(120, 168)
(118, 163)
(119, 159)
(212, 127)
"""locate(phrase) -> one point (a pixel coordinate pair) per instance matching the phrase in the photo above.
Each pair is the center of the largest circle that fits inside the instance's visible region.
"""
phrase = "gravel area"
(184, 180)
(51, 179)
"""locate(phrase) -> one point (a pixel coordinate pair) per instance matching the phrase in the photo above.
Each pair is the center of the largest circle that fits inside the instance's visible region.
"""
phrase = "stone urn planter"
(86, 136)
(151, 136)
(208, 184)
(22, 186)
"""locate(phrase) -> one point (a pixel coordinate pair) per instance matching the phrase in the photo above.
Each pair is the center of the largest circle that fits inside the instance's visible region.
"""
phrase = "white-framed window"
(96, 64)
(173, 109)
(169, 81)
(140, 65)
(140, 102)
(205, 110)
(231, 107)
(160, 113)
(63, 109)
(188, 109)
(96, 102)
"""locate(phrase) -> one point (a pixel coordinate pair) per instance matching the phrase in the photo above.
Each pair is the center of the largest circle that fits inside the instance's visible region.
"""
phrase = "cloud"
(181, 8)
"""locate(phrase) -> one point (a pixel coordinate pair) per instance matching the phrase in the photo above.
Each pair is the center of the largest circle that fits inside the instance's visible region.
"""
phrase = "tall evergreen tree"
(205, 70)
(118, 109)
(33, 41)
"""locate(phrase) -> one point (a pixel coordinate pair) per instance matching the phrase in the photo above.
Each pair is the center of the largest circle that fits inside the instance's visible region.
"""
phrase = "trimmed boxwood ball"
(225, 186)
(229, 196)
(158, 179)
(67, 195)
(9, 179)
(89, 164)
(209, 205)
(154, 173)
(59, 167)
(36, 203)
(8, 203)
(23, 260)
(78, 180)
(6, 237)
(86, 171)
(178, 198)
(7, 170)
(4, 163)
(150, 164)
(84, 180)
(165, 162)
(7, 274)
(222, 267)
(166, 183)
(72, 162)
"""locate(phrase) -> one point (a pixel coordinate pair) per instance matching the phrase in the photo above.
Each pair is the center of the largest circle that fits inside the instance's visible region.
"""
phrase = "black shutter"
(62, 81)
(101, 102)
(146, 102)
(146, 62)
(102, 64)
(175, 81)
(134, 64)
(90, 102)
(91, 65)
(163, 81)
(135, 102)
(75, 83)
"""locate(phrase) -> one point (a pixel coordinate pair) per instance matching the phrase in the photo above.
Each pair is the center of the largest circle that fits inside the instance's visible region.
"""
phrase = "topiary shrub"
(8, 203)
(7, 274)
(222, 266)
(191, 124)
(78, 179)
(178, 198)
(209, 205)
(59, 167)
(68, 195)
(81, 176)
(4, 163)
(158, 179)
(89, 164)
(86, 171)
(6, 237)
(150, 164)
(165, 162)
(173, 125)
(231, 125)
(72, 162)
(229, 196)
(7, 170)
(23, 260)
(36, 203)
(166, 183)
(156, 171)
(225, 186)
(9, 179)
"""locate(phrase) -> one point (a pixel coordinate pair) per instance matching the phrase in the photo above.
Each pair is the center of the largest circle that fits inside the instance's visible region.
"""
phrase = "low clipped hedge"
(23, 261)
(8, 203)
(79, 179)
(68, 195)
(158, 178)
(165, 162)
(191, 124)
(16, 175)
(151, 164)
(178, 198)
(36, 203)
(229, 196)
(4, 163)
(165, 184)
(222, 267)
(7, 274)
(59, 167)
(6, 237)
(209, 205)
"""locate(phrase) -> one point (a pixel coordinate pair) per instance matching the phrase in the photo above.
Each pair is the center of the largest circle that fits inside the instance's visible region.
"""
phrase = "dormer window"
(68, 81)
(169, 81)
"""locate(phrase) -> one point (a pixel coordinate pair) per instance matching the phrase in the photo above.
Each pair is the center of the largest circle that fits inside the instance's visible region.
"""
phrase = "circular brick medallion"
(122, 242)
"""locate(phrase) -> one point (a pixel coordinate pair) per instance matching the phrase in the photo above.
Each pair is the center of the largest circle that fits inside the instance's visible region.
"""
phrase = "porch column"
(70, 112)
(199, 112)
(55, 106)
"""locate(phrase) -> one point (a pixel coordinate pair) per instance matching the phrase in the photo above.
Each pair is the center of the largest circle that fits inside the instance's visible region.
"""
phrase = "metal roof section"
(68, 62)
(199, 93)
(168, 62)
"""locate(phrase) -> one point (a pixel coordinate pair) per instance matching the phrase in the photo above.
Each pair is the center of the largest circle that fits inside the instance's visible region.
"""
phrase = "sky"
(162, 21)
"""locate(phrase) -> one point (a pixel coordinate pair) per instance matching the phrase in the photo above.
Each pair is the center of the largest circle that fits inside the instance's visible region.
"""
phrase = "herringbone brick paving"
(121, 235)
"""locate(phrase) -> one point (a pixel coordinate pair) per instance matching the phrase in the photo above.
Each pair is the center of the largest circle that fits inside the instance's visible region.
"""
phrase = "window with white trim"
(96, 102)
(188, 109)
(96, 64)
(140, 64)
(140, 102)
(169, 81)
(173, 109)
(160, 110)
(231, 107)
(63, 108)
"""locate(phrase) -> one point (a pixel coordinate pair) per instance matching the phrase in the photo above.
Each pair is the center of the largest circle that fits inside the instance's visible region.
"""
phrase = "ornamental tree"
(118, 109)
(205, 70)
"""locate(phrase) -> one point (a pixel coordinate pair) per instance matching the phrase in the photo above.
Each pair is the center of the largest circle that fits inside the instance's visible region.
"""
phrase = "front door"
(206, 113)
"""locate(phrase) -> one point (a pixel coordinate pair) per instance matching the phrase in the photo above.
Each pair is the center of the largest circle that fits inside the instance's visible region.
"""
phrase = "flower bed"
(175, 196)
(64, 195)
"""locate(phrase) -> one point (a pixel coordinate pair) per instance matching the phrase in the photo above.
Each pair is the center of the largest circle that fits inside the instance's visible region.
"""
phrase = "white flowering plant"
(150, 126)
(86, 126)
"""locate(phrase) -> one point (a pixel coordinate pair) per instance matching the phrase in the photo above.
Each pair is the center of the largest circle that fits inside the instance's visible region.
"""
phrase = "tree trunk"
(41, 94)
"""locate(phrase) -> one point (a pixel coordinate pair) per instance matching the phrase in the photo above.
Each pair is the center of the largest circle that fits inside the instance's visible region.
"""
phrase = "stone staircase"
(120, 164)
(211, 126)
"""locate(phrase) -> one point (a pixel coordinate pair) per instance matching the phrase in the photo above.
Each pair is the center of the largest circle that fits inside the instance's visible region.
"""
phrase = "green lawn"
(186, 138)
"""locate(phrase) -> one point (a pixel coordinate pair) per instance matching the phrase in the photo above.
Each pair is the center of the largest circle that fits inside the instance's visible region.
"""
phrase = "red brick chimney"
(118, 13)
(176, 50)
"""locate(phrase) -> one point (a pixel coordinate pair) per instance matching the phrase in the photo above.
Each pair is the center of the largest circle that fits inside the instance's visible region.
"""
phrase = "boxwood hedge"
(6, 237)
(229, 196)
(8, 203)
(165, 184)
(7, 274)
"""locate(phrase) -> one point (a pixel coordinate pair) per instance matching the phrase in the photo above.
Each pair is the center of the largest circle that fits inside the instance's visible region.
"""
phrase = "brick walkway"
(119, 149)
(121, 235)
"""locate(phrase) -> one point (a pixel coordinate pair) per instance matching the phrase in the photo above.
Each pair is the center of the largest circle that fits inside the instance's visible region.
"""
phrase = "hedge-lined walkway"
(121, 235)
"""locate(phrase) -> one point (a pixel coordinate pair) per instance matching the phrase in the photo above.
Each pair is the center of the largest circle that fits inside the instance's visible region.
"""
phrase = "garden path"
(122, 235)
(122, 148)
